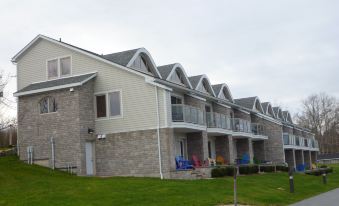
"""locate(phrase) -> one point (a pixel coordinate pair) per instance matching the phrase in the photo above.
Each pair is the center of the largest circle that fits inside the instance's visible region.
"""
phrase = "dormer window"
(58, 67)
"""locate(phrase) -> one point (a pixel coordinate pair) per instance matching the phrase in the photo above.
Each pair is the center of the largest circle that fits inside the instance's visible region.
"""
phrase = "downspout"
(158, 131)
(53, 154)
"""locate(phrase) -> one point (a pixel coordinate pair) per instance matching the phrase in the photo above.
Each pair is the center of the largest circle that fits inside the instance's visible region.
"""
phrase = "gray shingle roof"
(165, 70)
(195, 80)
(247, 102)
(122, 58)
(217, 88)
(57, 82)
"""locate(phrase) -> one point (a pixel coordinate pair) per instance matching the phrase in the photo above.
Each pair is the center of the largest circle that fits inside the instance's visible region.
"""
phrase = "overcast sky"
(281, 51)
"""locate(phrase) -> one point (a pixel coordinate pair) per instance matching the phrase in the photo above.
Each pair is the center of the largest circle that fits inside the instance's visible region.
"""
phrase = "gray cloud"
(281, 51)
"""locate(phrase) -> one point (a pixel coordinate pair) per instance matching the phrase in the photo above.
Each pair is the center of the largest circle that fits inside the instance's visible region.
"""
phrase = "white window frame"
(59, 67)
(48, 112)
(108, 117)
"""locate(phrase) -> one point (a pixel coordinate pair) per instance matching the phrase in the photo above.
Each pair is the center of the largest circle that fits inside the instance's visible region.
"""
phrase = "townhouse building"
(120, 114)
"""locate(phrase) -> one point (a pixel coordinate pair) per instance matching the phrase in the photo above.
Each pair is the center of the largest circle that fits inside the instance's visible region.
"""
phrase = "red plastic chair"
(196, 161)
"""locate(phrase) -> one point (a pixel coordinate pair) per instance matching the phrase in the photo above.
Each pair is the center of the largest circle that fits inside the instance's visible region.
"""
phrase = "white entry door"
(89, 158)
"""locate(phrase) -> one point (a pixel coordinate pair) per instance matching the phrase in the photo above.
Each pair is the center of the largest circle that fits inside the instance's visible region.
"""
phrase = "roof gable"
(202, 83)
(252, 103)
(175, 73)
(138, 59)
(268, 110)
(223, 92)
(278, 113)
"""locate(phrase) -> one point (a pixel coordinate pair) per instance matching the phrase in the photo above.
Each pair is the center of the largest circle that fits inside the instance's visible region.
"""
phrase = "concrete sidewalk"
(330, 198)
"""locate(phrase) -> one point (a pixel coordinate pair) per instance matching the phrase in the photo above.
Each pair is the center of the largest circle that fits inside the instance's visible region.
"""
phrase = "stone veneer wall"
(290, 157)
(287, 129)
(197, 144)
(135, 153)
(274, 146)
(221, 110)
(194, 102)
(307, 159)
(313, 156)
(242, 115)
(224, 148)
(244, 145)
(259, 150)
(299, 157)
(35, 129)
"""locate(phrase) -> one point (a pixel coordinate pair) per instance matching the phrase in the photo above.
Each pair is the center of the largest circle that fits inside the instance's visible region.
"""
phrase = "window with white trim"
(108, 104)
(47, 105)
(58, 67)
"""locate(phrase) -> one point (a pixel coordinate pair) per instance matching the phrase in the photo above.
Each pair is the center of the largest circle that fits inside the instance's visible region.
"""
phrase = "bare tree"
(320, 113)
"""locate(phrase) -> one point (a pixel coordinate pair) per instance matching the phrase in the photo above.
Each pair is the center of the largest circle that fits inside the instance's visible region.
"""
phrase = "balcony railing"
(241, 125)
(216, 120)
(299, 141)
(257, 129)
(186, 113)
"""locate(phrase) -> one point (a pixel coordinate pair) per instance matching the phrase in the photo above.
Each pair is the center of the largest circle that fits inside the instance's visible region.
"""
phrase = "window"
(58, 67)
(101, 105)
(52, 68)
(175, 100)
(47, 105)
(108, 104)
(114, 103)
(65, 66)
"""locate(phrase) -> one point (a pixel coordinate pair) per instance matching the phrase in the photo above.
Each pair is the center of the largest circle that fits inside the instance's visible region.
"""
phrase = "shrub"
(282, 168)
(223, 171)
(267, 168)
(248, 169)
(323, 166)
(320, 171)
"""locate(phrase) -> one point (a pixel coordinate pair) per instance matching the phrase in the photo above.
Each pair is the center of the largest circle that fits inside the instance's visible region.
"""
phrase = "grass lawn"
(22, 184)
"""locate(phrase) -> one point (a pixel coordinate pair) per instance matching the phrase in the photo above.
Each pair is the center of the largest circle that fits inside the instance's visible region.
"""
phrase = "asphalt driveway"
(330, 198)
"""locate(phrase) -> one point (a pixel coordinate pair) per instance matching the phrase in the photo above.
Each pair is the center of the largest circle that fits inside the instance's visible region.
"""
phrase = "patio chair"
(182, 164)
(196, 161)
(301, 167)
(210, 162)
(245, 159)
(220, 160)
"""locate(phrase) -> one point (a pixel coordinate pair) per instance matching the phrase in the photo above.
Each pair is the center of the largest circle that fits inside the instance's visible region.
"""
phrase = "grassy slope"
(22, 184)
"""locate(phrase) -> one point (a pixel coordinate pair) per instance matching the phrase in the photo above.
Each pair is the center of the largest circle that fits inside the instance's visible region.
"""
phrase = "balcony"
(297, 142)
(258, 129)
(241, 125)
(186, 116)
(216, 120)
(218, 124)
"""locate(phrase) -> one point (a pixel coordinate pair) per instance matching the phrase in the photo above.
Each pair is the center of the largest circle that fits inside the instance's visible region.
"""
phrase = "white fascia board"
(223, 105)
(196, 97)
(14, 59)
(151, 80)
(268, 118)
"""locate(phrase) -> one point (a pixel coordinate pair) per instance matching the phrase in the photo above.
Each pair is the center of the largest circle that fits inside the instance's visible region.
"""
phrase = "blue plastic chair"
(300, 167)
(245, 159)
(182, 164)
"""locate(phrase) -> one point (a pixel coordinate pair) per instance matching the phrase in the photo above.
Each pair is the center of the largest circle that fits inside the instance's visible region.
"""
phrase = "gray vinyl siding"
(138, 97)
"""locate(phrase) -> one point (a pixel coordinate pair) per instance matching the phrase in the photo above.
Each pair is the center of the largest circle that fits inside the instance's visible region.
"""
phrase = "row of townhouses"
(120, 114)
